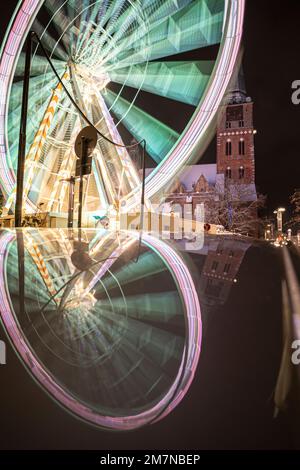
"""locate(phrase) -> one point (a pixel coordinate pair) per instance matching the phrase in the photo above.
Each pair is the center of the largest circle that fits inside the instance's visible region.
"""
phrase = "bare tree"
(237, 209)
(295, 201)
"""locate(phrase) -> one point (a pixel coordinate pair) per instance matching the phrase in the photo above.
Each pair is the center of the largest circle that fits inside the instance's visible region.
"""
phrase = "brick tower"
(235, 136)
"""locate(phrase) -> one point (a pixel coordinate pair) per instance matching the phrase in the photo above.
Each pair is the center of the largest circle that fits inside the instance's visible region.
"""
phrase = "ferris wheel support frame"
(79, 105)
(36, 147)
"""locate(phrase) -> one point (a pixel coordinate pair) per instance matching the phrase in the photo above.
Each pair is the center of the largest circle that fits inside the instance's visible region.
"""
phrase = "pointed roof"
(236, 92)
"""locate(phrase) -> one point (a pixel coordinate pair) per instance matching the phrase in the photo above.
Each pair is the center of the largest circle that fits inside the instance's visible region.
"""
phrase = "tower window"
(241, 124)
(227, 268)
(228, 173)
(241, 172)
(242, 147)
(228, 148)
(228, 125)
(214, 266)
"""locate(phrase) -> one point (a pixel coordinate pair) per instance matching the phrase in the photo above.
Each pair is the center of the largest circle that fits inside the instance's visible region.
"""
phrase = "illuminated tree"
(237, 209)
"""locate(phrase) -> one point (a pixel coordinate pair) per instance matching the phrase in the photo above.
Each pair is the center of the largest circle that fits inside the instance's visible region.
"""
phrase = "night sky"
(271, 64)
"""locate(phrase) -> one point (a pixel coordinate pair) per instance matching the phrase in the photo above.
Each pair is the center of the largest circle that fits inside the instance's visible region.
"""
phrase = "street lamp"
(279, 213)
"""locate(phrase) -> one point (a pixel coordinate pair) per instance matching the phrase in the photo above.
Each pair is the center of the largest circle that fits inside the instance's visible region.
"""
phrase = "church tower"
(235, 135)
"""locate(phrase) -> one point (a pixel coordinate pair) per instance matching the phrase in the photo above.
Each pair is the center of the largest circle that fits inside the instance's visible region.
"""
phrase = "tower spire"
(236, 92)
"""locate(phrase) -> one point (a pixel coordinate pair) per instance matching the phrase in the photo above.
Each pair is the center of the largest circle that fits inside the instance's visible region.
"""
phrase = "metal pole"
(22, 138)
(143, 186)
(21, 272)
(71, 202)
(83, 160)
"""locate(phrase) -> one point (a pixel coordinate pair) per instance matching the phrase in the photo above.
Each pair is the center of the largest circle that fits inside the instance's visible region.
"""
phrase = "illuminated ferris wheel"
(144, 69)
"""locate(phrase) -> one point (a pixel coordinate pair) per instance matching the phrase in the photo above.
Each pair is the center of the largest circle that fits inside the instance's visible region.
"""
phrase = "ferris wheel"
(146, 69)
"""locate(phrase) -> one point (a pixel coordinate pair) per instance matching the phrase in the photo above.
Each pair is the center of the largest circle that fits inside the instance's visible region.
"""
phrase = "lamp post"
(22, 138)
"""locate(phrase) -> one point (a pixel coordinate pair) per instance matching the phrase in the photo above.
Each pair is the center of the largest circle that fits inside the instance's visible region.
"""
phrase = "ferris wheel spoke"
(159, 10)
(56, 50)
(60, 20)
(135, 326)
(36, 84)
(159, 137)
(147, 266)
(100, 34)
(138, 306)
(13, 150)
(115, 13)
(143, 308)
(74, 9)
(97, 10)
(146, 350)
(196, 26)
(153, 13)
(38, 92)
(38, 67)
(37, 257)
(130, 24)
(39, 96)
(180, 81)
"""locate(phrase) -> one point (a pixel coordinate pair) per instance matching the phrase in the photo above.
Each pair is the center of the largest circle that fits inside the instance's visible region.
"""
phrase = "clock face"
(234, 113)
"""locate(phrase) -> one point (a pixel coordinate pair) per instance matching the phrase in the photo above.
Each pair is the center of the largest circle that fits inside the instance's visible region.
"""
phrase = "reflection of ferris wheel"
(149, 69)
(109, 346)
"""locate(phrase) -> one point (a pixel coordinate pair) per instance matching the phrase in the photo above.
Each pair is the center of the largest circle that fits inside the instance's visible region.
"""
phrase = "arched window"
(228, 172)
(241, 172)
(242, 147)
(228, 148)
(227, 268)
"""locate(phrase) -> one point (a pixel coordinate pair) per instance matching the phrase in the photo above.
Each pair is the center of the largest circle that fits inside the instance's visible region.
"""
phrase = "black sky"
(271, 64)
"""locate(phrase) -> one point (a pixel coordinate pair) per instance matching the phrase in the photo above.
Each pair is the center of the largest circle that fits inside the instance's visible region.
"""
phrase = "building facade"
(235, 137)
(233, 175)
